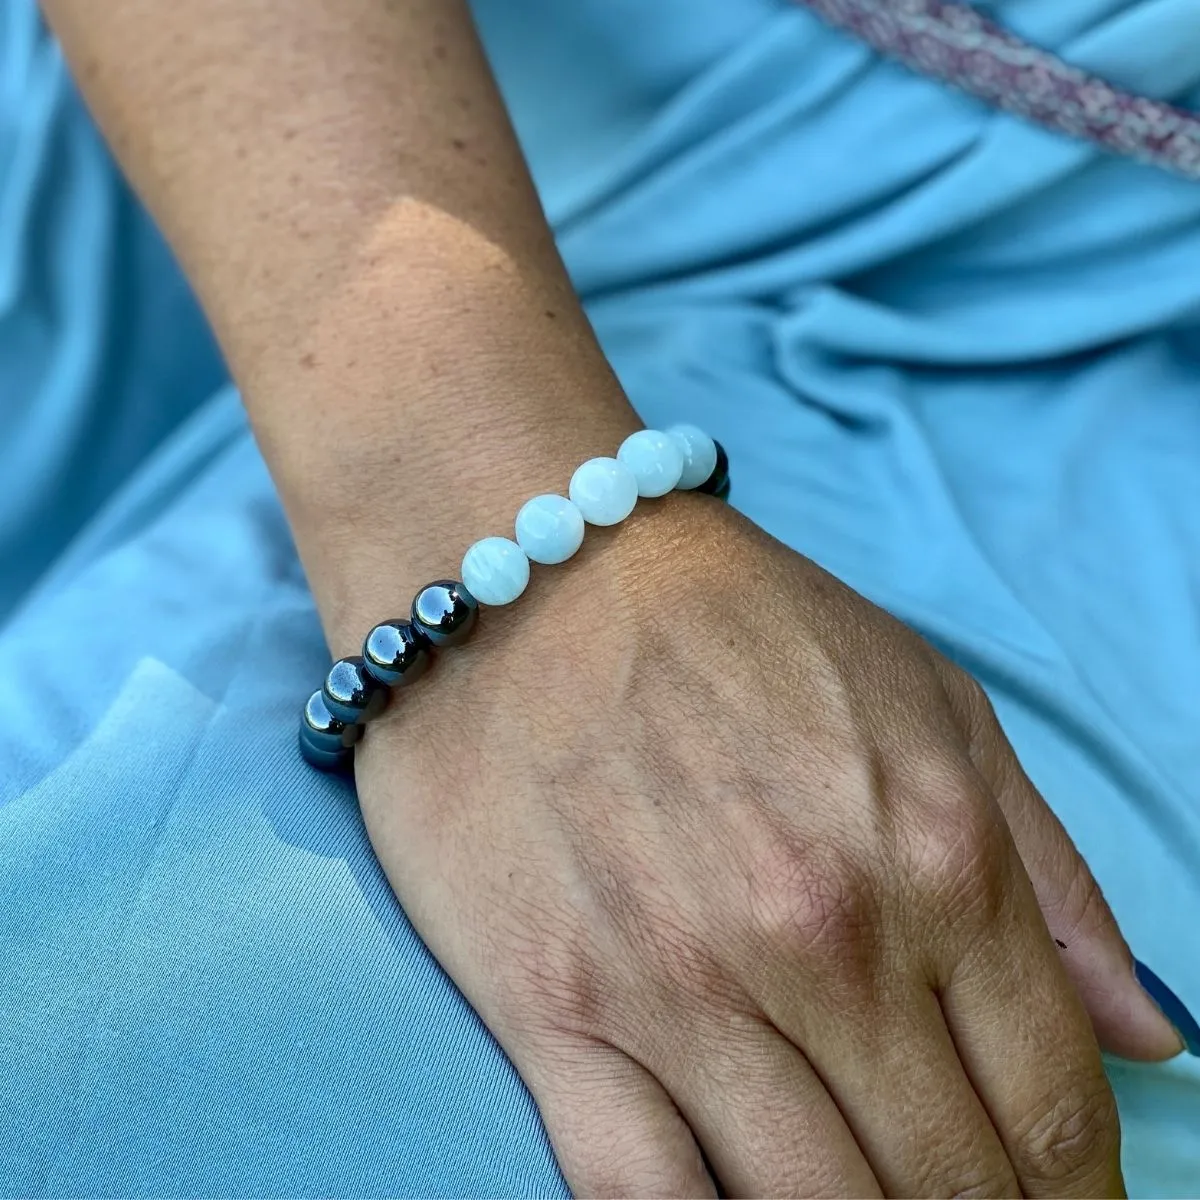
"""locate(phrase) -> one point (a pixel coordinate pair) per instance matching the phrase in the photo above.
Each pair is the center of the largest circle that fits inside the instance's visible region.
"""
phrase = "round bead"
(396, 653)
(445, 612)
(718, 481)
(325, 742)
(325, 760)
(655, 458)
(322, 729)
(549, 529)
(351, 694)
(604, 490)
(495, 570)
(699, 455)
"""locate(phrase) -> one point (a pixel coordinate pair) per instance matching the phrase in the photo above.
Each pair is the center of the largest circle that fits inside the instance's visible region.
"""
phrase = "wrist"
(496, 571)
(632, 573)
(433, 391)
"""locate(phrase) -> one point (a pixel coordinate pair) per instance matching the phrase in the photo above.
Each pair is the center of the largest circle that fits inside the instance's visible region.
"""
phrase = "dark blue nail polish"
(1171, 1007)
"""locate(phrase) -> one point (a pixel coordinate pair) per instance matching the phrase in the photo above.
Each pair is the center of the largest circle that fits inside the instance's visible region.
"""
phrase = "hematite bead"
(326, 742)
(325, 760)
(718, 481)
(396, 653)
(351, 694)
(445, 612)
(323, 729)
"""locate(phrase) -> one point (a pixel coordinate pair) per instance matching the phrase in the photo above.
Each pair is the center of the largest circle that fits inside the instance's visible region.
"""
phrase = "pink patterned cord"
(958, 45)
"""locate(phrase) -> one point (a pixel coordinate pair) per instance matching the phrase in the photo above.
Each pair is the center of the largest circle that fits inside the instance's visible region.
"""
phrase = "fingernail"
(1170, 1006)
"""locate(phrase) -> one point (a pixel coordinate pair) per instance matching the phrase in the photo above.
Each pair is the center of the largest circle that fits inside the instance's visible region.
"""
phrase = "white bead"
(655, 458)
(549, 529)
(604, 490)
(699, 455)
(495, 570)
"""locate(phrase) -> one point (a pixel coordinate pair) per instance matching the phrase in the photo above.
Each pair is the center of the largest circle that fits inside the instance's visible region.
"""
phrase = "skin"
(774, 912)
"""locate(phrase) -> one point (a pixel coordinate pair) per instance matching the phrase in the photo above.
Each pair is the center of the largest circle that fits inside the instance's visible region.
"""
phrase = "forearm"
(340, 182)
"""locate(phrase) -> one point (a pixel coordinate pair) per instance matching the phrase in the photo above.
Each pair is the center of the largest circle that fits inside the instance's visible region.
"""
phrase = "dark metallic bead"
(395, 653)
(718, 481)
(323, 729)
(445, 612)
(352, 695)
(325, 760)
(326, 742)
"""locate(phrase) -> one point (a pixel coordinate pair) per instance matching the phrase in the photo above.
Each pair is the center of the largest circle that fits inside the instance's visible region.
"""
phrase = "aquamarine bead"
(655, 458)
(549, 529)
(699, 455)
(604, 490)
(495, 570)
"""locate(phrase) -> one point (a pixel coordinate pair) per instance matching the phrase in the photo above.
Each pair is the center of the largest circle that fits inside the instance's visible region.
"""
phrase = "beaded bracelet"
(549, 529)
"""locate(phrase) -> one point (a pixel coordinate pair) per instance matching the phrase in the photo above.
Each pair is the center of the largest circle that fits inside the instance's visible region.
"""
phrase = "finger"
(894, 1072)
(1028, 1048)
(1126, 1020)
(614, 1130)
(764, 1120)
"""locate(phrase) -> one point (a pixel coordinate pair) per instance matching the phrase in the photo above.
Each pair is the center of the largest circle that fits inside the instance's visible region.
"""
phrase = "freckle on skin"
(439, 52)
(551, 314)
(289, 135)
(458, 143)
(308, 361)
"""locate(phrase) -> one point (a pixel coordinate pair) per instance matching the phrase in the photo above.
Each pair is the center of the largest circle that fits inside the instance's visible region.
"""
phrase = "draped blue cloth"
(955, 359)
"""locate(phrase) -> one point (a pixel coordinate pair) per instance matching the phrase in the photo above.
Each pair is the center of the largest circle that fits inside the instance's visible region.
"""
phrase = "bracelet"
(549, 529)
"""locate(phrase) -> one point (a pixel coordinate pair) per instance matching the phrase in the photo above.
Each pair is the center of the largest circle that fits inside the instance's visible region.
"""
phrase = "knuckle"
(628, 1171)
(977, 702)
(817, 907)
(1082, 906)
(1075, 1138)
(967, 1167)
(958, 851)
(969, 701)
(977, 1187)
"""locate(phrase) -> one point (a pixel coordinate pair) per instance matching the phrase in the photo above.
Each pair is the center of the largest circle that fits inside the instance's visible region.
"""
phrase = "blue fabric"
(954, 358)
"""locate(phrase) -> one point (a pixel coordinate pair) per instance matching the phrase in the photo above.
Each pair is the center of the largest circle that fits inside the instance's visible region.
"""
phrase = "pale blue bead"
(495, 570)
(549, 529)
(655, 458)
(604, 490)
(699, 455)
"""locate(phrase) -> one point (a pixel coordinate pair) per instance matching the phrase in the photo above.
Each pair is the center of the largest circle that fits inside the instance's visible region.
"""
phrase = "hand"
(731, 862)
